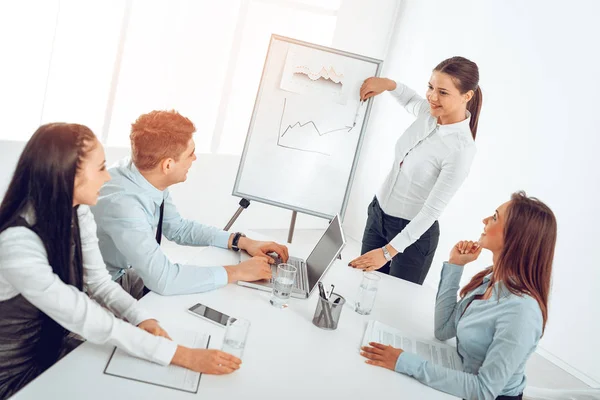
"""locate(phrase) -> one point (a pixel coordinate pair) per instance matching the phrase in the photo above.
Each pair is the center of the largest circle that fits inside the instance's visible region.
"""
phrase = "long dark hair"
(525, 262)
(44, 181)
(466, 77)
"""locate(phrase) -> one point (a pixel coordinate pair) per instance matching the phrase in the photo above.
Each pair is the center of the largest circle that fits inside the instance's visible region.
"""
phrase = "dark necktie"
(160, 221)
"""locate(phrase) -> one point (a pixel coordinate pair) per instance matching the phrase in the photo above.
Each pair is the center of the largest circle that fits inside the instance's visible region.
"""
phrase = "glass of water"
(236, 334)
(367, 291)
(283, 285)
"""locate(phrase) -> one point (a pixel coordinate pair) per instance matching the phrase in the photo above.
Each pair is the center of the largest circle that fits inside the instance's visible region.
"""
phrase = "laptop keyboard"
(301, 270)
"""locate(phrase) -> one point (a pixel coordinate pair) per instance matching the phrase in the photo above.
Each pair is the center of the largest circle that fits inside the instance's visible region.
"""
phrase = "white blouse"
(431, 163)
(24, 270)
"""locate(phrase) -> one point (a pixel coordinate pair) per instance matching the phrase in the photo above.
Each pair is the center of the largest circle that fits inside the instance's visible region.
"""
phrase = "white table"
(286, 356)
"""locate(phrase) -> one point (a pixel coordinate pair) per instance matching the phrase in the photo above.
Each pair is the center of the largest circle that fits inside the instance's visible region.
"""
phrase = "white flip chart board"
(306, 129)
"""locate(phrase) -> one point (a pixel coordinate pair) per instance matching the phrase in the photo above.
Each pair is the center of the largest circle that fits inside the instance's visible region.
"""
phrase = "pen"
(326, 312)
(322, 295)
(322, 291)
(357, 111)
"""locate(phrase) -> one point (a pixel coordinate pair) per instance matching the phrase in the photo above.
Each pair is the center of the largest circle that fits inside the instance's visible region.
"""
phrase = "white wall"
(538, 131)
(366, 34)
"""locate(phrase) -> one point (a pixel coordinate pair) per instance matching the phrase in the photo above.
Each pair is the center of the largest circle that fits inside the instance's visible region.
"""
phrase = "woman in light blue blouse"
(502, 312)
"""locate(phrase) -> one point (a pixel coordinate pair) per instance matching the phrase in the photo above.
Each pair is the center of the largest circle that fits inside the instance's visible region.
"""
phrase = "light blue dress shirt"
(127, 216)
(494, 338)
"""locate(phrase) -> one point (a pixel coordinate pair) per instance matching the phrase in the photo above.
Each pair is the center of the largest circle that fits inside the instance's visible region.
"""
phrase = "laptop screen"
(324, 252)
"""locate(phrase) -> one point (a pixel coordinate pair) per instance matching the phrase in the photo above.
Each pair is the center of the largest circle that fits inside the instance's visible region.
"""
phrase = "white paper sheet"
(437, 353)
(126, 366)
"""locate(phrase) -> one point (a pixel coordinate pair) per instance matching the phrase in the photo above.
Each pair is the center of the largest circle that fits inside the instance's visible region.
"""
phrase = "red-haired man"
(135, 206)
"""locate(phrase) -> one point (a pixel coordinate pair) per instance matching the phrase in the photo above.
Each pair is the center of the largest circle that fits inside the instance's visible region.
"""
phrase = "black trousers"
(133, 284)
(414, 262)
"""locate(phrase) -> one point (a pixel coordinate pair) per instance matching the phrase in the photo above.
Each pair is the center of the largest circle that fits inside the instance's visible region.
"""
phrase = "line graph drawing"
(321, 75)
(305, 145)
(324, 73)
(322, 85)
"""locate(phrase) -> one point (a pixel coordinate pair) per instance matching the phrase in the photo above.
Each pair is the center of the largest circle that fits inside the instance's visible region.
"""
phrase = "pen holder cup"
(328, 312)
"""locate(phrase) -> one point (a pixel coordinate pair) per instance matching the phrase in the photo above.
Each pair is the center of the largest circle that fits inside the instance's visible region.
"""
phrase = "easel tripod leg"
(292, 226)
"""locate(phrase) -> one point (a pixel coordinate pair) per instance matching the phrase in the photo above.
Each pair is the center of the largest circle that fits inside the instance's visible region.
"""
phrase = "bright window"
(104, 63)
(175, 57)
(27, 32)
(81, 68)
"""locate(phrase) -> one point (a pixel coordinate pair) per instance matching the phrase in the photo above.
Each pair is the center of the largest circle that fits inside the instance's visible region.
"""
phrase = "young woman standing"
(433, 158)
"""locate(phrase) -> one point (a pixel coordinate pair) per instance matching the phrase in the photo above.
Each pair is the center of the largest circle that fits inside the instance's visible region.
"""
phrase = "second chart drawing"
(313, 135)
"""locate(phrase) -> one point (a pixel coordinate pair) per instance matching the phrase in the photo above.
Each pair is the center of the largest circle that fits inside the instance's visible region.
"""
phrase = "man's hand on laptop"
(258, 248)
(254, 269)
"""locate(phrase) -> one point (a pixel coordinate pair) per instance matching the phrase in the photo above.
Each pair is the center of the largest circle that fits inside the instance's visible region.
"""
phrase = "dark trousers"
(133, 284)
(414, 262)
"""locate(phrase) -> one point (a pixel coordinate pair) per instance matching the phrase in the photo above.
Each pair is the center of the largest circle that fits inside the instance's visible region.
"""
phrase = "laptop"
(311, 270)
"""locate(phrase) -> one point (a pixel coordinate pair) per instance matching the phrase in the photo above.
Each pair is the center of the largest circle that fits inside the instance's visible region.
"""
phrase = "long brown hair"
(465, 74)
(524, 265)
(44, 179)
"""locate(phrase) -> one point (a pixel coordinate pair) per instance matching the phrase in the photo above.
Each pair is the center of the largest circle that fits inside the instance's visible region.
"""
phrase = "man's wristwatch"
(236, 239)
(386, 254)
